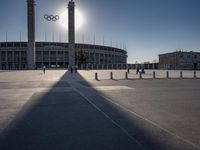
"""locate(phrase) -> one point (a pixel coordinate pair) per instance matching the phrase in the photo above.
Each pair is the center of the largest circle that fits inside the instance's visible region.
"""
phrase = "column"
(99, 58)
(31, 34)
(6, 59)
(0, 62)
(64, 59)
(56, 58)
(71, 33)
(89, 57)
(13, 60)
(95, 61)
(42, 53)
(20, 59)
(49, 59)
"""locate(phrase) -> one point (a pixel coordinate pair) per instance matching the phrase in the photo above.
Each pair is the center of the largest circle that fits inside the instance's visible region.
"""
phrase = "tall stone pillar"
(31, 34)
(71, 32)
(0, 62)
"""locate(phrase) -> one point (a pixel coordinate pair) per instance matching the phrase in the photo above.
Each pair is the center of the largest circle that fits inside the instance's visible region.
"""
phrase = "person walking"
(76, 69)
(137, 70)
(128, 70)
(44, 69)
(143, 70)
(71, 69)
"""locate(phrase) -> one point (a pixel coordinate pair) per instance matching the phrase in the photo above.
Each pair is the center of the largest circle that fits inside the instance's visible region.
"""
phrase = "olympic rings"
(51, 17)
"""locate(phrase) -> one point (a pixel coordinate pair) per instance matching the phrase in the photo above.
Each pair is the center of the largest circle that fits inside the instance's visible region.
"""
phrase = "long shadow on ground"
(73, 115)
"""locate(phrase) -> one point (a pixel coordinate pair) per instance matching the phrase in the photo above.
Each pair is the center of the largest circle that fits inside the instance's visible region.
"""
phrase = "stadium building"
(13, 56)
(33, 55)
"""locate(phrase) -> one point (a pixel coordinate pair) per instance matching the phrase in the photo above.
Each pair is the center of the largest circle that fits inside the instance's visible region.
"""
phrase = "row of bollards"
(140, 75)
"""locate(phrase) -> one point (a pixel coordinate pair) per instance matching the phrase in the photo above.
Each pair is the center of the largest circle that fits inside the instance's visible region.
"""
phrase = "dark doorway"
(195, 66)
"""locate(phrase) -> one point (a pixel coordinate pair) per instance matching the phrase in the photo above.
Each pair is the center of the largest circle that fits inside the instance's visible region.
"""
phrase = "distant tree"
(81, 57)
(155, 61)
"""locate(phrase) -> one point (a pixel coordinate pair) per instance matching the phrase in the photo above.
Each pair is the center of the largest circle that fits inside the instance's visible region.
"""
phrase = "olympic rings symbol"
(51, 17)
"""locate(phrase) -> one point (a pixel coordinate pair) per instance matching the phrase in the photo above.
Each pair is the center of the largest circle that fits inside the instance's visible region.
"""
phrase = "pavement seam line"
(105, 115)
(153, 123)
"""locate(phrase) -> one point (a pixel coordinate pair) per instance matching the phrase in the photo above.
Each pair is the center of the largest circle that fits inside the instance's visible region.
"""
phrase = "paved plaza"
(63, 111)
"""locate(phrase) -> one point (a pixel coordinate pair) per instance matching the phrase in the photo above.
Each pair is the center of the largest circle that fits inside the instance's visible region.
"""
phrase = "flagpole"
(20, 38)
(6, 36)
(53, 36)
(83, 38)
(94, 39)
(45, 36)
(60, 37)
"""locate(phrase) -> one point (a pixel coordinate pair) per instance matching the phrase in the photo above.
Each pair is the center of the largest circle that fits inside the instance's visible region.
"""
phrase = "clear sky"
(146, 27)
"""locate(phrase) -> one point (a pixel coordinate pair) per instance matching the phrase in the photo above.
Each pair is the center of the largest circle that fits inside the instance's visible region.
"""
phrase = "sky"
(146, 28)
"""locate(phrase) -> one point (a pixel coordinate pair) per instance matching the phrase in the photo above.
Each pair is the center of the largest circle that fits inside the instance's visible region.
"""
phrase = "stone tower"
(31, 34)
(71, 32)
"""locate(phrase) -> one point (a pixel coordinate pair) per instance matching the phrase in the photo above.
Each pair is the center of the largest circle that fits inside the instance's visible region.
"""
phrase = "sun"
(79, 19)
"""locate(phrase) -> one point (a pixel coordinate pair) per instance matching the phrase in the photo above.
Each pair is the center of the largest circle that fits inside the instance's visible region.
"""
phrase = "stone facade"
(31, 34)
(31, 54)
(13, 55)
(180, 60)
(71, 33)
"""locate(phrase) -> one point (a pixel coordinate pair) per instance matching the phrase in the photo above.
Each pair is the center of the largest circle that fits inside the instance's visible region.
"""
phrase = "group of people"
(74, 68)
(140, 70)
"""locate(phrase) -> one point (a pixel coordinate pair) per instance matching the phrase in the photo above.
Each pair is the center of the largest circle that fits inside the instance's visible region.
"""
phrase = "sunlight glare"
(79, 21)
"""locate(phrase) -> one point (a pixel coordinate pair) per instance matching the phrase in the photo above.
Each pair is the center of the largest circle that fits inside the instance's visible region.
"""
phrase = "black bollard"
(126, 75)
(111, 75)
(154, 75)
(140, 75)
(181, 74)
(195, 75)
(167, 75)
(96, 76)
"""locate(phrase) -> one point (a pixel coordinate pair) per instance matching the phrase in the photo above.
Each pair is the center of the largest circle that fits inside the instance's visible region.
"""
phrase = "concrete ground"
(61, 111)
